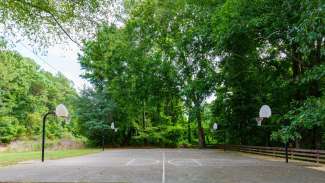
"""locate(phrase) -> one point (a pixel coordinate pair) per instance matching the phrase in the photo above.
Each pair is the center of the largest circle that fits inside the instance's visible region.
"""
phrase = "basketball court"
(160, 166)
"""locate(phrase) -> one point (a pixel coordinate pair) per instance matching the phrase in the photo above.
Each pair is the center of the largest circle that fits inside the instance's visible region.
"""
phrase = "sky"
(59, 58)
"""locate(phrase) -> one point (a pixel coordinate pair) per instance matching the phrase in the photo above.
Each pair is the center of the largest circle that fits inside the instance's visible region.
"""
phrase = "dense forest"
(158, 70)
(26, 94)
(172, 69)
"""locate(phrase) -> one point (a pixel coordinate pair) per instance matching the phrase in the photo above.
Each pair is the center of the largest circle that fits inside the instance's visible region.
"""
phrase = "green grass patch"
(9, 158)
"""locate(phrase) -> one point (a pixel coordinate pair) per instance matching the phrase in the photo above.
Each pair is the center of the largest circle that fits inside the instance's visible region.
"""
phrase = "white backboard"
(265, 111)
(61, 111)
(215, 126)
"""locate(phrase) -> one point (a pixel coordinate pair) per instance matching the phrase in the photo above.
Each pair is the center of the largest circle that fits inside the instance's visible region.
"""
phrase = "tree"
(95, 114)
(183, 39)
(169, 56)
(265, 52)
(49, 22)
(26, 93)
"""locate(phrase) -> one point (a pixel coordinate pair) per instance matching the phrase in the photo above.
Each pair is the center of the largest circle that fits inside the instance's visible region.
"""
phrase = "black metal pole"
(43, 134)
(103, 140)
(286, 151)
(224, 140)
(113, 138)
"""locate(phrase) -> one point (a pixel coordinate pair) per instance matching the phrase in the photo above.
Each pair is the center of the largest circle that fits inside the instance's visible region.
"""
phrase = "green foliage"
(47, 22)
(95, 114)
(172, 55)
(271, 53)
(317, 73)
(165, 136)
(9, 129)
(159, 61)
(26, 94)
(310, 115)
(153, 76)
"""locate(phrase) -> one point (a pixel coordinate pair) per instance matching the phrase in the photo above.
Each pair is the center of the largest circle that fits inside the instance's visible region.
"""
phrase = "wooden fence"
(317, 156)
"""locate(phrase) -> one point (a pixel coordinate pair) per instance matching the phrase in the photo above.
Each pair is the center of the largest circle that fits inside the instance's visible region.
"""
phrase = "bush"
(173, 135)
(9, 129)
(167, 136)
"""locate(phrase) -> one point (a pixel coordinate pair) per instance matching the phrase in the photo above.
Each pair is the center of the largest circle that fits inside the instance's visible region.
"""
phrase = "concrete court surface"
(161, 166)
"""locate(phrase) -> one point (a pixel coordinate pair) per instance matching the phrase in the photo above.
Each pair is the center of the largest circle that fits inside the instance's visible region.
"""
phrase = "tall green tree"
(26, 93)
(284, 39)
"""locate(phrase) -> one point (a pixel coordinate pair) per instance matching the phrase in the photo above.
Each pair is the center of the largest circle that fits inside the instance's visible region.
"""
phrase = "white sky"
(62, 58)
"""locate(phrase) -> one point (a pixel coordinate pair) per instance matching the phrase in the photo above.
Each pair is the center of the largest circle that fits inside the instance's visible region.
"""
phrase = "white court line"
(172, 162)
(197, 162)
(163, 173)
(129, 162)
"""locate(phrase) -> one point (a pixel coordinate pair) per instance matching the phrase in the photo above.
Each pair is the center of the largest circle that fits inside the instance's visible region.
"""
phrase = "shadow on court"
(160, 166)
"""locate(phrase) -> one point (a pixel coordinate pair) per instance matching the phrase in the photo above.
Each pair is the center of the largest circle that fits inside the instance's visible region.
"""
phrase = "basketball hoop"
(265, 112)
(259, 121)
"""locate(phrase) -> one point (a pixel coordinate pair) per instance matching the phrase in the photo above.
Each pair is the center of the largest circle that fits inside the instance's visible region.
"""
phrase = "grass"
(9, 158)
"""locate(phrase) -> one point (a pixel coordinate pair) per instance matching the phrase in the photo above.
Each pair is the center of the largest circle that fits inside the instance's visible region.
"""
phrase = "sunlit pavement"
(161, 165)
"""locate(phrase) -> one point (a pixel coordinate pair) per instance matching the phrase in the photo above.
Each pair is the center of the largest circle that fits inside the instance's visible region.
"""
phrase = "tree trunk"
(127, 137)
(143, 116)
(314, 88)
(189, 138)
(296, 62)
(316, 138)
(158, 114)
(199, 126)
(297, 143)
(297, 70)
(145, 142)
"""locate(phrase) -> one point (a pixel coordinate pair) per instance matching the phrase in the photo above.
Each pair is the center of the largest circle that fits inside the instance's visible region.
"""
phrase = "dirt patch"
(3, 147)
(21, 146)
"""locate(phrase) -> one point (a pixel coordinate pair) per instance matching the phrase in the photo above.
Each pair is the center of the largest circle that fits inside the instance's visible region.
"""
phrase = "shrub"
(9, 129)
(168, 136)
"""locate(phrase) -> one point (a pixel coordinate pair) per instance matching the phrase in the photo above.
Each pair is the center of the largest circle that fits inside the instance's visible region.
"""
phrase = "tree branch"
(54, 18)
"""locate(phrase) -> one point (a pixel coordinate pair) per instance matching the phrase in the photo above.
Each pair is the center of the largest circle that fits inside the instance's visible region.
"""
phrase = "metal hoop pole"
(43, 133)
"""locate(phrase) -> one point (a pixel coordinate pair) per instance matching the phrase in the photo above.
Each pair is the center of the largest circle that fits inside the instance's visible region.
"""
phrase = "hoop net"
(259, 121)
